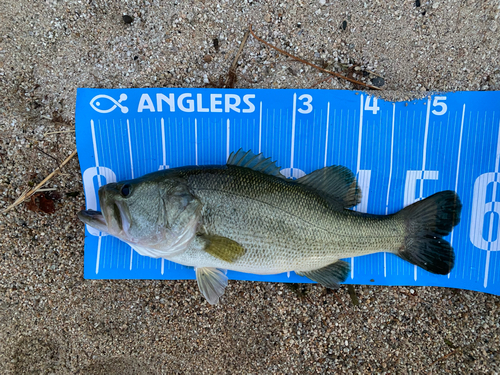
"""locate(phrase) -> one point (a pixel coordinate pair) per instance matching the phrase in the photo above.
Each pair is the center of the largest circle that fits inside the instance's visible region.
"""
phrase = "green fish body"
(245, 216)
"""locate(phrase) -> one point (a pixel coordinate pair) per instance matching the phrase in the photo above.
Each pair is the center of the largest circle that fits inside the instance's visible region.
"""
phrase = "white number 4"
(373, 107)
(437, 103)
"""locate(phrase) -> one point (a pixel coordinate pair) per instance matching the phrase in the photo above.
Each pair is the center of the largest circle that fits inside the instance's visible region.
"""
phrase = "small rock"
(267, 18)
(322, 2)
(378, 81)
(127, 19)
(435, 5)
(207, 58)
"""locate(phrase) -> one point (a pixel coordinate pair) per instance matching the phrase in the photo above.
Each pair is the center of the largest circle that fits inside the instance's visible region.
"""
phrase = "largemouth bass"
(245, 216)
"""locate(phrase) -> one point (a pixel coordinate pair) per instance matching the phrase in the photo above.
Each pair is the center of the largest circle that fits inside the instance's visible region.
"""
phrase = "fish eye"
(125, 191)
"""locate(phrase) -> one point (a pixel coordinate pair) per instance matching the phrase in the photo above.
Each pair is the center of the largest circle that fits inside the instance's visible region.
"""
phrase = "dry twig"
(321, 81)
(462, 349)
(50, 156)
(59, 132)
(445, 356)
(231, 77)
(243, 42)
(28, 194)
(311, 64)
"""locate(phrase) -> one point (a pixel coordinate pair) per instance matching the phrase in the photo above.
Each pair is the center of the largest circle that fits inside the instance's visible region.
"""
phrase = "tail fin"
(427, 222)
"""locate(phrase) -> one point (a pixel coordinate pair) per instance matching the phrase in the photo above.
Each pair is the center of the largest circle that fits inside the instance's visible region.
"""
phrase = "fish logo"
(94, 103)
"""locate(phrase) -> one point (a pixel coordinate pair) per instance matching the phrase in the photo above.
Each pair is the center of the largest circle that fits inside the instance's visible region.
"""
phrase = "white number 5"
(437, 103)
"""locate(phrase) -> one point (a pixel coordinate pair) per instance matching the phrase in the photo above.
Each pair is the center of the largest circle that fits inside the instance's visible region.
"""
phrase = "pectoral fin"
(212, 283)
(223, 248)
(330, 276)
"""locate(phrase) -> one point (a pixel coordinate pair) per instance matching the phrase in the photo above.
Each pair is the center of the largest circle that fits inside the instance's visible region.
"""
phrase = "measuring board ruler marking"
(399, 152)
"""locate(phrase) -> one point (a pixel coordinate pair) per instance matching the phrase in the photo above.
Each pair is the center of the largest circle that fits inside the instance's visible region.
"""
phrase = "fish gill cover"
(399, 152)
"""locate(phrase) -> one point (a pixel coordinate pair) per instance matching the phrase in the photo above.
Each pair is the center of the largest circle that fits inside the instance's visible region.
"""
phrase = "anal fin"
(212, 283)
(330, 276)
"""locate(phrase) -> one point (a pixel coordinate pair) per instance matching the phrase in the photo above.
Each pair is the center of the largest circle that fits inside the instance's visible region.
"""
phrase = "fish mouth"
(116, 214)
(95, 219)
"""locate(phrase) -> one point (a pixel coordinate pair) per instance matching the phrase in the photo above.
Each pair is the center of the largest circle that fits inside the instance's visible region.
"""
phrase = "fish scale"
(282, 226)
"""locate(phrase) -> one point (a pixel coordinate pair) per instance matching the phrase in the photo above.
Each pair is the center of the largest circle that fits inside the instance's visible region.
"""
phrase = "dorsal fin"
(256, 162)
(336, 184)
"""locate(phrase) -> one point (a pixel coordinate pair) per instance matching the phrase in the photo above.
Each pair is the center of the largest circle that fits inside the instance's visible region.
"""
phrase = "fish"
(246, 216)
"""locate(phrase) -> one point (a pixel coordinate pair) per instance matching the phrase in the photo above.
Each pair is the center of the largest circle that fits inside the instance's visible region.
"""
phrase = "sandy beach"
(52, 321)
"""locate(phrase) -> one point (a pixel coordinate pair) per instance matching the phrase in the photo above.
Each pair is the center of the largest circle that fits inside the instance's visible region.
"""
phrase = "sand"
(55, 322)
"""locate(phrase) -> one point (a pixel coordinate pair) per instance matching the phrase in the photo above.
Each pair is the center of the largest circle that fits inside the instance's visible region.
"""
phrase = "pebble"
(378, 81)
(127, 19)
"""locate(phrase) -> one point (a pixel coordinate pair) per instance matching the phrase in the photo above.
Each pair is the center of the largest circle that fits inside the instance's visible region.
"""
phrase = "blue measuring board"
(400, 152)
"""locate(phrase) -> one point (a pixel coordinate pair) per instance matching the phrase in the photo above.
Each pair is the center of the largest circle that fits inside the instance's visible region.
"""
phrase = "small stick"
(321, 81)
(453, 352)
(243, 42)
(62, 131)
(50, 156)
(27, 195)
(445, 356)
(458, 16)
(231, 76)
(340, 300)
(311, 64)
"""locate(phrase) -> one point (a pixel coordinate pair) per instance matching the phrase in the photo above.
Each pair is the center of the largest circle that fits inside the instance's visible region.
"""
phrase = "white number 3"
(307, 103)
(437, 103)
